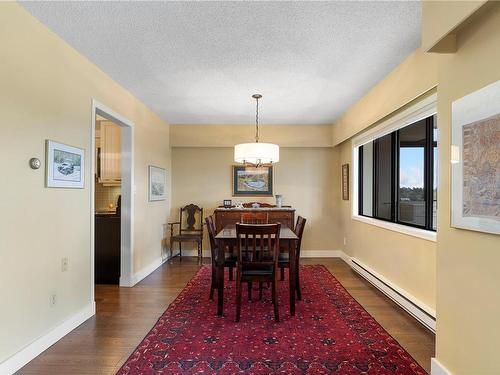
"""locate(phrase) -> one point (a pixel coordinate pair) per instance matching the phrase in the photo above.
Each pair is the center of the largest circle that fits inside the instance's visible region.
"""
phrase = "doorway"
(101, 114)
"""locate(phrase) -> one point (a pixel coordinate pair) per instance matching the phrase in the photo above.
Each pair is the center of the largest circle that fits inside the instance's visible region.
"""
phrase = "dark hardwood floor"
(125, 315)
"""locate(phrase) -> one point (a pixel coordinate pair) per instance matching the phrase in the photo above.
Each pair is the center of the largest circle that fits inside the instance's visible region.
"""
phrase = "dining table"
(226, 240)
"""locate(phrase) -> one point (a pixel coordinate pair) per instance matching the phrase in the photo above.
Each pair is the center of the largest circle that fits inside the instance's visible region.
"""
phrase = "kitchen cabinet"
(107, 249)
(110, 161)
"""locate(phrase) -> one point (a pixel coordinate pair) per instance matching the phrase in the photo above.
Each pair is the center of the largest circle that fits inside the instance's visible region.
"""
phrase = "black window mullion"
(429, 172)
(374, 171)
(375, 179)
(395, 176)
(360, 180)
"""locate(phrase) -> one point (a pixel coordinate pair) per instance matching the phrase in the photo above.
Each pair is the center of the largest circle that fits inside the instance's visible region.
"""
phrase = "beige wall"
(468, 279)
(308, 178)
(45, 93)
(411, 79)
(229, 135)
(441, 18)
(409, 262)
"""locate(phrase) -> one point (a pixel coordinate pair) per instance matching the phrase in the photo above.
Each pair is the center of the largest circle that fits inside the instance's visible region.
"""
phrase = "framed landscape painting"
(65, 166)
(253, 181)
(157, 184)
(476, 160)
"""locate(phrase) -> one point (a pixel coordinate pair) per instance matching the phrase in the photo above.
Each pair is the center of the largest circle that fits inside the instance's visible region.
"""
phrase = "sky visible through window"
(411, 167)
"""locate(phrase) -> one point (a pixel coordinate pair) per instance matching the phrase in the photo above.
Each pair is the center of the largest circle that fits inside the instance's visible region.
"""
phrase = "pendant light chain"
(257, 121)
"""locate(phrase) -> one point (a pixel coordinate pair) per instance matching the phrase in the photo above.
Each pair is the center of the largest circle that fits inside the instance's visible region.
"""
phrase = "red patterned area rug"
(330, 334)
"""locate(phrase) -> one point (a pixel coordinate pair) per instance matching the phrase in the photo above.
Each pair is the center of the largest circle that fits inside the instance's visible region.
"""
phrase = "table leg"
(220, 277)
(291, 277)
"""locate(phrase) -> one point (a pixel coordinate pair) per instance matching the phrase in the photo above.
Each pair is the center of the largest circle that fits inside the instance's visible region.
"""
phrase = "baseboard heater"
(420, 312)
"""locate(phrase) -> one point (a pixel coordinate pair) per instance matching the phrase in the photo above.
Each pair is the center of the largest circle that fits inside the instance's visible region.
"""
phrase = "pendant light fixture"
(256, 153)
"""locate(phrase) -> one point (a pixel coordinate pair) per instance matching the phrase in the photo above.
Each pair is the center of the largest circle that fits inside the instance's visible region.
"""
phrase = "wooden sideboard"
(231, 216)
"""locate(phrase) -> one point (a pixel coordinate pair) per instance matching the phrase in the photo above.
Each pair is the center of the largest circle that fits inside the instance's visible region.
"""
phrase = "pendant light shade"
(256, 153)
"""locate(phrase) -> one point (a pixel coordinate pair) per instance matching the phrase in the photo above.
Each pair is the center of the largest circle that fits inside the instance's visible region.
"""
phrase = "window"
(397, 176)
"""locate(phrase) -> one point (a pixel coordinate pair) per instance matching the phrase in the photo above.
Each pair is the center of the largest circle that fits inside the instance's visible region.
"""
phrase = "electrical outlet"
(53, 299)
(345, 241)
(64, 264)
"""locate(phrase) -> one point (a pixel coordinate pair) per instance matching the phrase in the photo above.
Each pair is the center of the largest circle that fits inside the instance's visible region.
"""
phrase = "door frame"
(127, 191)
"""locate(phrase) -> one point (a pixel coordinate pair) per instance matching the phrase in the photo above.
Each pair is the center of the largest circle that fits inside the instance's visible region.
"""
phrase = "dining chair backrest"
(257, 244)
(209, 220)
(191, 219)
(299, 231)
(254, 218)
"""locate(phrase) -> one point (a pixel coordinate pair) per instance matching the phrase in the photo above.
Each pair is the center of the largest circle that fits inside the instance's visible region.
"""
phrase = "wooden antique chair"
(257, 263)
(190, 229)
(254, 218)
(284, 260)
(229, 259)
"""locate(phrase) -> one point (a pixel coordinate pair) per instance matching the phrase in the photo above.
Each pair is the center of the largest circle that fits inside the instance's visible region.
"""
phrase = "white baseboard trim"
(193, 253)
(146, 271)
(419, 310)
(303, 253)
(437, 368)
(22, 357)
(321, 253)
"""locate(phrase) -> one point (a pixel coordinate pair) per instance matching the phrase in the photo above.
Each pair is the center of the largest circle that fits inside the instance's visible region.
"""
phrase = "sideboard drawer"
(283, 217)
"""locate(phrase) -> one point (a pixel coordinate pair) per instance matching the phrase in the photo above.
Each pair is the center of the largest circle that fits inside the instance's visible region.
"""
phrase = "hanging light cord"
(257, 122)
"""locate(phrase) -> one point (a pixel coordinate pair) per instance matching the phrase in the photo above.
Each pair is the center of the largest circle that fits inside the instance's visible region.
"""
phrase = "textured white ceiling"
(200, 62)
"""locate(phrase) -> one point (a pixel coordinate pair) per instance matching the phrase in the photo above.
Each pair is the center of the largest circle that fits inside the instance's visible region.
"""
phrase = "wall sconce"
(455, 154)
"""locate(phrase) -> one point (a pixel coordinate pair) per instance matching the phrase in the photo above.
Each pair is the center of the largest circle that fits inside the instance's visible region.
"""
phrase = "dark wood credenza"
(231, 216)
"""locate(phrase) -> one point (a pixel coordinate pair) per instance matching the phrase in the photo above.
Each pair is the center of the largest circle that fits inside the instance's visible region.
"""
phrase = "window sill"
(411, 231)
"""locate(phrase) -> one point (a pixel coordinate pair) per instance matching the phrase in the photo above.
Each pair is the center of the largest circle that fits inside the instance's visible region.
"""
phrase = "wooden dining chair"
(229, 258)
(254, 218)
(190, 229)
(257, 263)
(284, 259)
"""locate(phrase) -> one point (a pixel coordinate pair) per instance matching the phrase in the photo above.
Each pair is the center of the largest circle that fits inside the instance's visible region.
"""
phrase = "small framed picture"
(227, 203)
(157, 184)
(65, 166)
(345, 182)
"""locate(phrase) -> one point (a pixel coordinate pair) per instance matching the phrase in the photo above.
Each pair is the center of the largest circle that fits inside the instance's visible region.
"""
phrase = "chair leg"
(171, 247)
(260, 290)
(238, 299)
(282, 273)
(275, 301)
(230, 273)
(212, 284)
(297, 282)
(249, 290)
(180, 251)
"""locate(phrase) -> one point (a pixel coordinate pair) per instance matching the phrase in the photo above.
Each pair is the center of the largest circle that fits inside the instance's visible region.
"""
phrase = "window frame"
(424, 109)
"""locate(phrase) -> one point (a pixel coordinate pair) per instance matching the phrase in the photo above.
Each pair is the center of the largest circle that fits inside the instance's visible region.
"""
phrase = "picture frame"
(252, 181)
(227, 203)
(345, 182)
(157, 184)
(475, 163)
(65, 166)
